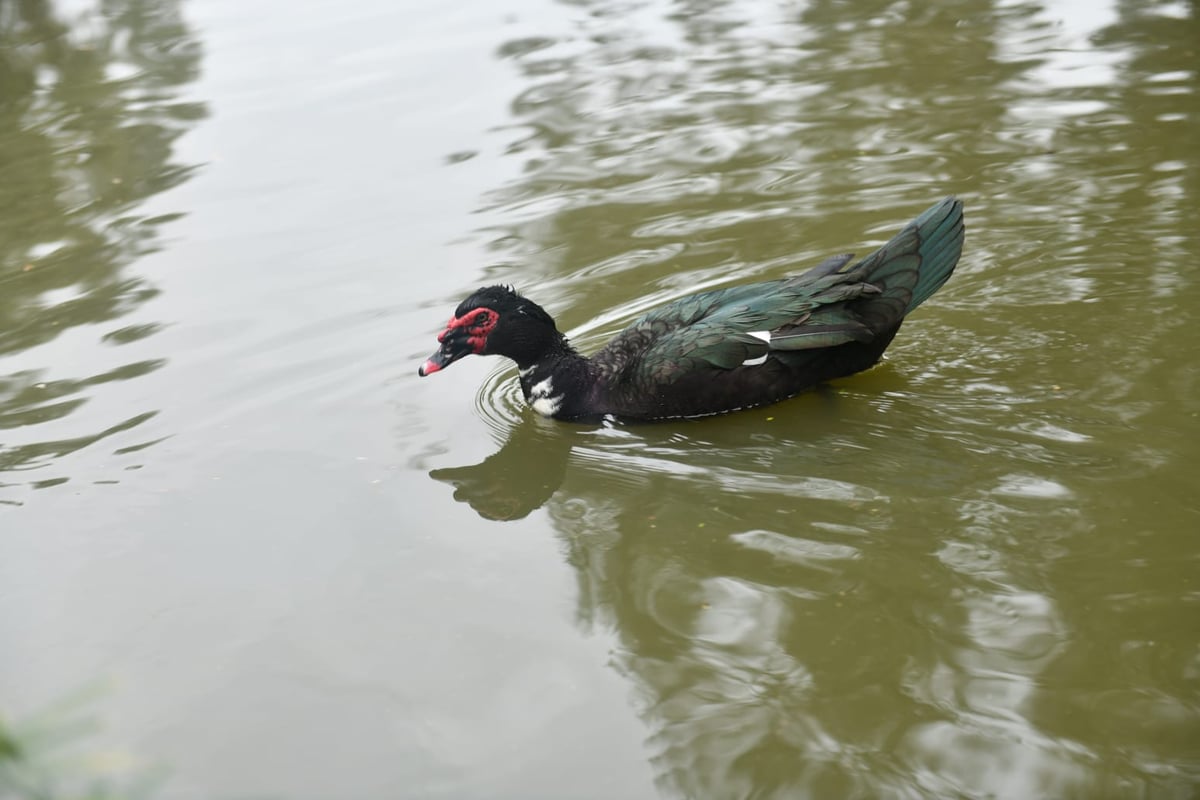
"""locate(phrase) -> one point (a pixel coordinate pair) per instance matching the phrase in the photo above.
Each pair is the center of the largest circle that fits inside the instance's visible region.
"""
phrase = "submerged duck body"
(722, 350)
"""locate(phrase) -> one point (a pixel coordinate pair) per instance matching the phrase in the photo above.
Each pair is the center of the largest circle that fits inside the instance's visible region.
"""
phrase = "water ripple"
(499, 402)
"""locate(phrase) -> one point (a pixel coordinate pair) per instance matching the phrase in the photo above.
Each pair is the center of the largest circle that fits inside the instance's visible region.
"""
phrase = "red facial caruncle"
(464, 336)
(476, 323)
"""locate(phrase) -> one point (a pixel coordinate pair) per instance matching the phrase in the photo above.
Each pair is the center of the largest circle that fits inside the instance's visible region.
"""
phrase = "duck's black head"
(495, 320)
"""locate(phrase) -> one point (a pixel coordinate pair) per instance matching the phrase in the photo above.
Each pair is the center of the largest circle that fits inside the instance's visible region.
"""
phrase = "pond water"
(246, 552)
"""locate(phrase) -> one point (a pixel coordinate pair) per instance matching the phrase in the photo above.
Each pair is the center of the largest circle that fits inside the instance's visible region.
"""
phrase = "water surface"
(272, 561)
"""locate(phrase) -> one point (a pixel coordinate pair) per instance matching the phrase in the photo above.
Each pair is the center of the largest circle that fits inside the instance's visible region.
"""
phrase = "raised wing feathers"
(728, 327)
(833, 303)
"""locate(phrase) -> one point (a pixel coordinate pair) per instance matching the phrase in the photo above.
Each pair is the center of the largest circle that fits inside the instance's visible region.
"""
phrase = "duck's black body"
(722, 350)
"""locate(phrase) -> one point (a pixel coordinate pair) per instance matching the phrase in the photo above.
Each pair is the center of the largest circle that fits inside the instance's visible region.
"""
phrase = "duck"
(723, 350)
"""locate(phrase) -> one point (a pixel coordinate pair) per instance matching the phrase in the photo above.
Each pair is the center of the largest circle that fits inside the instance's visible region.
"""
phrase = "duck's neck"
(558, 382)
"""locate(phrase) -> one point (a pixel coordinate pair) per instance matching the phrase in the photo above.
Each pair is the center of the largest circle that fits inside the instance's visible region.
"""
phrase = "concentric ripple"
(499, 402)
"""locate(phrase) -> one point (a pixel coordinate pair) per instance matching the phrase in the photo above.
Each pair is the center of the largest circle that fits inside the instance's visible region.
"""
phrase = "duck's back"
(755, 344)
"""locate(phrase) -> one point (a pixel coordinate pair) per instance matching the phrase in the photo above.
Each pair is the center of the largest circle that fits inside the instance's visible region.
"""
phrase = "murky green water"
(276, 563)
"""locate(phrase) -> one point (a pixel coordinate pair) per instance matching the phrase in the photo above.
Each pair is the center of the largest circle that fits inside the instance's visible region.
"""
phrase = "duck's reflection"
(517, 479)
(782, 639)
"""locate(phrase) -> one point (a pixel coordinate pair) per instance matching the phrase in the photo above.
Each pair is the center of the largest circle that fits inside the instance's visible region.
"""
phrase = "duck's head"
(495, 320)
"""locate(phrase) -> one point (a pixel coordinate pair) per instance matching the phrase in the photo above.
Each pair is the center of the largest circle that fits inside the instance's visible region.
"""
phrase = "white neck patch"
(547, 406)
(543, 399)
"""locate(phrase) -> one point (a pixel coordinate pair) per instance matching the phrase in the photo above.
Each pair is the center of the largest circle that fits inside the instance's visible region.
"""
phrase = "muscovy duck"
(721, 350)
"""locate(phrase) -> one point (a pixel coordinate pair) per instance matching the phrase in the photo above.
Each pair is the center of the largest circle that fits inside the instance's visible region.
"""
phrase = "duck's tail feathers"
(913, 265)
(941, 230)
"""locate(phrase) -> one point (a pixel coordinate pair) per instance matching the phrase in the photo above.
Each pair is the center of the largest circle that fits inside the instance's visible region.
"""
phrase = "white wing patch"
(764, 336)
